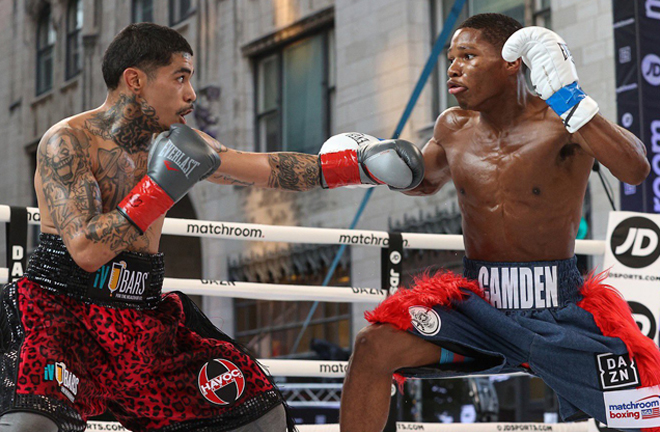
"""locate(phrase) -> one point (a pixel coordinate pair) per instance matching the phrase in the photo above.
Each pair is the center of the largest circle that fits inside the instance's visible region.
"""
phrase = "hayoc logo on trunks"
(635, 242)
(425, 320)
(122, 282)
(66, 379)
(221, 382)
(616, 371)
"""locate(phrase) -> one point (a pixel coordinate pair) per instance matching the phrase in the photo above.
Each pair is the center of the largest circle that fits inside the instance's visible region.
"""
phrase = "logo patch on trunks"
(221, 382)
(616, 371)
(425, 320)
(121, 279)
(66, 379)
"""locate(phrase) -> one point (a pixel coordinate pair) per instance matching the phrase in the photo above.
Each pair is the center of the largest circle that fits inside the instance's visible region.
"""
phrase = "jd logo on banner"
(632, 256)
(634, 242)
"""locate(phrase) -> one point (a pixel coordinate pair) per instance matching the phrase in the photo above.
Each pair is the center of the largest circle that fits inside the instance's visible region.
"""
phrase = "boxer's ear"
(135, 79)
(513, 67)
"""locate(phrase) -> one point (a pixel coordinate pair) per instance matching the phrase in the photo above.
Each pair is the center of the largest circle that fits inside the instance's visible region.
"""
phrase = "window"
(142, 11)
(74, 23)
(441, 9)
(295, 95)
(542, 13)
(180, 10)
(45, 42)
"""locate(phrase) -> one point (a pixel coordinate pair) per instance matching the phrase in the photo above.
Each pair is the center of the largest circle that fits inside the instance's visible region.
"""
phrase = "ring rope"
(586, 426)
(294, 234)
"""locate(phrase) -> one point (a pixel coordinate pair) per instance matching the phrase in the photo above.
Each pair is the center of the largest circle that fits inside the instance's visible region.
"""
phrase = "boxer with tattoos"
(88, 329)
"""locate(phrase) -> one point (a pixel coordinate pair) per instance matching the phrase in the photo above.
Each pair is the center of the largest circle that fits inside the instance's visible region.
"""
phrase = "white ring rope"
(262, 291)
(250, 290)
(293, 234)
(587, 426)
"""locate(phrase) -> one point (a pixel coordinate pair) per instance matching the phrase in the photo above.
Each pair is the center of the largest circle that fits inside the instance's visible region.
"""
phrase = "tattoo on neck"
(130, 123)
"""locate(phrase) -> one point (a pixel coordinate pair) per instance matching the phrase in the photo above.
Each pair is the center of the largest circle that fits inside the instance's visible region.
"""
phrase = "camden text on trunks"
(534, 285)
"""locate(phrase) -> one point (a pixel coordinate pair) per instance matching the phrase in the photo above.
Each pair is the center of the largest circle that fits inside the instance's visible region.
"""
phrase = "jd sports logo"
(651, 69)
(221, 382)
(644, 319)
(635, 242)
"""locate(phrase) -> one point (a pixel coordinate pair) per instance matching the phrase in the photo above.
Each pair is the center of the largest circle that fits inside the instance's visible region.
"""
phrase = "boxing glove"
(553, 74)
(359, 159)
(178, 159)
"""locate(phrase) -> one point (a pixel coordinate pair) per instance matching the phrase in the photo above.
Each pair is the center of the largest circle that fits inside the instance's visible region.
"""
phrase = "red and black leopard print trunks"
(162, 368)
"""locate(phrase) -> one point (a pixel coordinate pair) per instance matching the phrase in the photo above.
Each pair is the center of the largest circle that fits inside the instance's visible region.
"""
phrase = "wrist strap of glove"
(573, 105)
(566, 98)
(145, 203)
(340, 169)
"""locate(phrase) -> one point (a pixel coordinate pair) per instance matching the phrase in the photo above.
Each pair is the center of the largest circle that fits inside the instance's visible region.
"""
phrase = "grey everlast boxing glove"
(355, 158)
(178, 159)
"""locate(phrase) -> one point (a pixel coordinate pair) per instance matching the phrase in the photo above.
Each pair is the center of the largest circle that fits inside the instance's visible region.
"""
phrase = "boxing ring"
(263, 291)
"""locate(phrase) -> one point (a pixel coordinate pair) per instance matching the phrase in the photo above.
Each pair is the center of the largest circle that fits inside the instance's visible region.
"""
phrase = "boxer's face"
(476, 69)
(169, 90)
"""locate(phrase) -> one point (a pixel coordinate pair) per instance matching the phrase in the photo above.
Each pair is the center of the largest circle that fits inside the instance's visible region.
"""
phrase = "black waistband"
(130, 280)
(527, 285)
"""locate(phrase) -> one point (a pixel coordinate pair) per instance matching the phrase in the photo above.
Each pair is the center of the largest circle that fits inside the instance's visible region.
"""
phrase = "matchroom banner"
(631, 254)
(637, 61)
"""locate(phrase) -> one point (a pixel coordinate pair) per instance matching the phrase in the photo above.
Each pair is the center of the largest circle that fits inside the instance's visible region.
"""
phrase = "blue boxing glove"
(552, 73)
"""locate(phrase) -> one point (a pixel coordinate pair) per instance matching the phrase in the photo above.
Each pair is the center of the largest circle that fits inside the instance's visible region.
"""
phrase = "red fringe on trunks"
(613, 317)
(440, 289)
(610, 311)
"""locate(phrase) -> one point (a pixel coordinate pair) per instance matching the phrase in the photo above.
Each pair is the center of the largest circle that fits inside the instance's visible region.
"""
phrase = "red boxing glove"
(359, 159)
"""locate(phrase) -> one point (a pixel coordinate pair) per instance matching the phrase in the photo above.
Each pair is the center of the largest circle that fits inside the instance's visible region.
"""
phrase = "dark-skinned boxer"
(520, 164)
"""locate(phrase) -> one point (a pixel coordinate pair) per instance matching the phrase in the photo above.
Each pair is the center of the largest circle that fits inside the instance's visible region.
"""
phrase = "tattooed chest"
(117, 172)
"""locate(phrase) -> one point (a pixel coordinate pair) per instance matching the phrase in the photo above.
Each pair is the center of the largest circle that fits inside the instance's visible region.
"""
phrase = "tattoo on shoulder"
(72, 193)
(130, 123)
(68, 184)
(293, 171)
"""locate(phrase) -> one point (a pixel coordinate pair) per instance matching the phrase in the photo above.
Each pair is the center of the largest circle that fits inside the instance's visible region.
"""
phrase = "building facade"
(279, 75)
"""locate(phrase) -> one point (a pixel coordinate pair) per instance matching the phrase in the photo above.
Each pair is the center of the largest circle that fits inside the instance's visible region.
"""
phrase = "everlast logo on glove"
(221, 382)
(185, 163)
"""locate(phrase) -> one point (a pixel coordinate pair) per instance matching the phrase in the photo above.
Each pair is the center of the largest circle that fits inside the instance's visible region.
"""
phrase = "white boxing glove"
(354, 158)
(553, 74)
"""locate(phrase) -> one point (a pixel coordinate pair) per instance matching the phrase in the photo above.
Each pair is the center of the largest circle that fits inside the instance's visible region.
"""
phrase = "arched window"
(74, 23)
(46, 37)
(143, 11)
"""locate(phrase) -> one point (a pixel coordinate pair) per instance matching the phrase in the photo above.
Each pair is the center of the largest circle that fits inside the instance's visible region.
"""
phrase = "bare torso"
(115, 170)
(520, 190)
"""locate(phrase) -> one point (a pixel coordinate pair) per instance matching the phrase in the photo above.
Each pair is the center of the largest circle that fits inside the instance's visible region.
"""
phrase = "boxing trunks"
(541, 318)
(73, 344)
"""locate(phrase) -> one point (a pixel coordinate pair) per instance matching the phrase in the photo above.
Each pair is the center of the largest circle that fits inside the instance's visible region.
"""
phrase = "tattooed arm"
(73, 200)
(284, 170)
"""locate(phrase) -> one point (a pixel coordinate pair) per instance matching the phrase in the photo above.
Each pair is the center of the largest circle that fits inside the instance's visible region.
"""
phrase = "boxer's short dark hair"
(495, 28)
(146, 46)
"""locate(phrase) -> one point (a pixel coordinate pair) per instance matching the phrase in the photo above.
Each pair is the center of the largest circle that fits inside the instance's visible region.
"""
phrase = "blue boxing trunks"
(544, 319)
